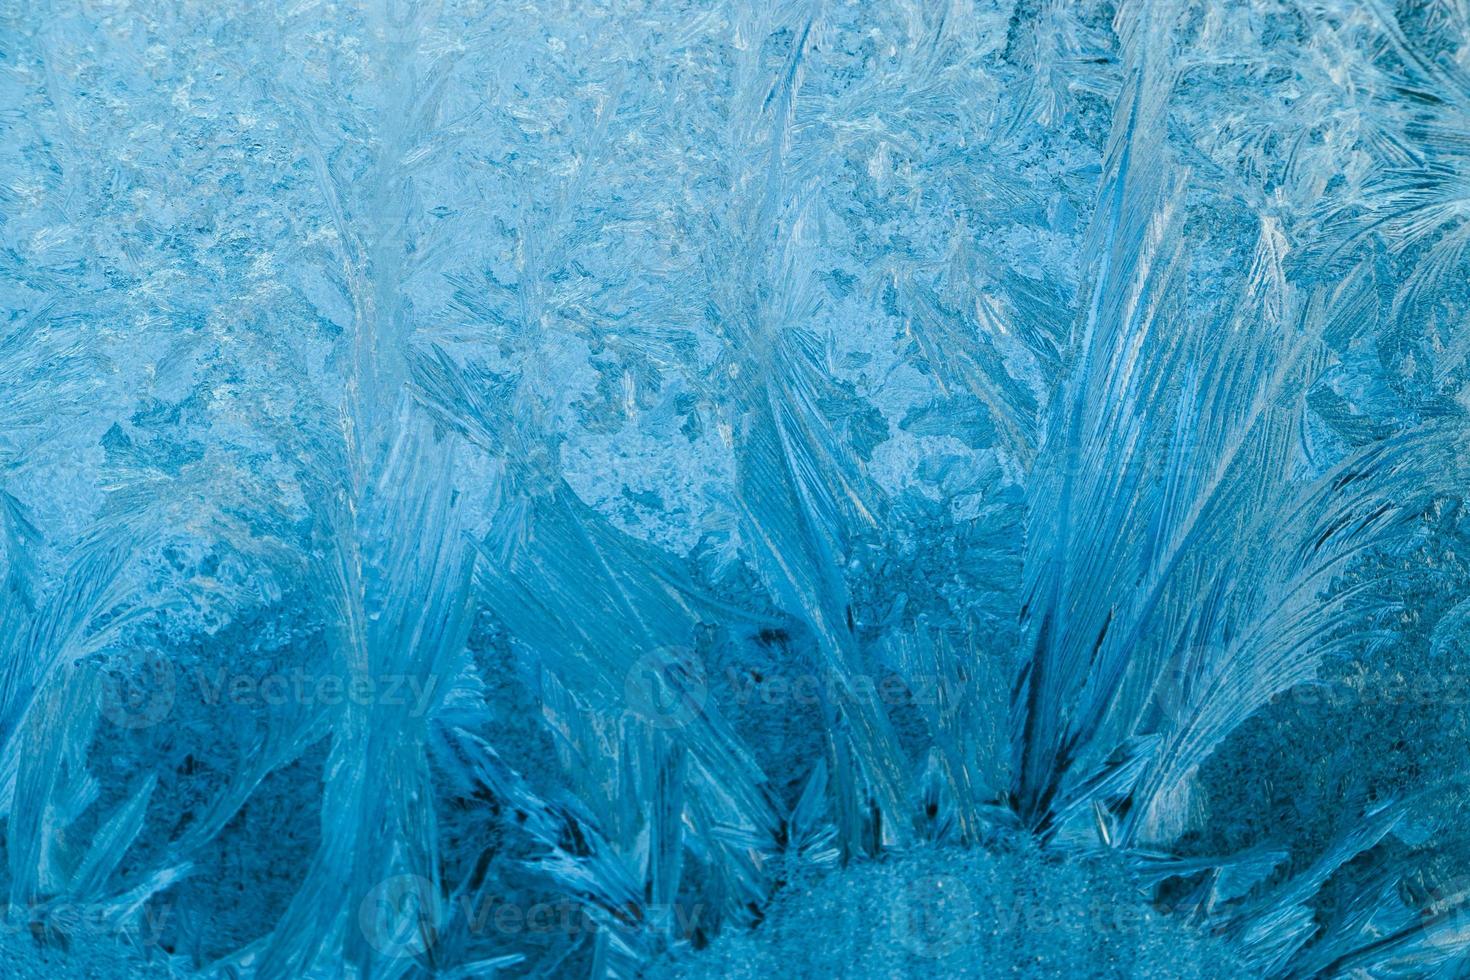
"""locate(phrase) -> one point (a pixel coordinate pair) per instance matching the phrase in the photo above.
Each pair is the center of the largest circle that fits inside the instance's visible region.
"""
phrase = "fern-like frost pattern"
(647, 488)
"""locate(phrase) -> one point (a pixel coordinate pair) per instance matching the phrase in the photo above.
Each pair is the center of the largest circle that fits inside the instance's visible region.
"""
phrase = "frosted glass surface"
(652, 488)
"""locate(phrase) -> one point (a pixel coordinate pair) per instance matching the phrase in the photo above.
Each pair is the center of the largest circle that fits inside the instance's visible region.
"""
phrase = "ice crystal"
(545, 488)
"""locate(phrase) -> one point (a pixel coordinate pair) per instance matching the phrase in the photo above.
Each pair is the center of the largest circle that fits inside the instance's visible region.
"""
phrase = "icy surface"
(1001, 912)
(548, 487)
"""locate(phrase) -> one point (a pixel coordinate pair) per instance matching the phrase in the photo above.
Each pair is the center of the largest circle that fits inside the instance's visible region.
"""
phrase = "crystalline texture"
(544, 488)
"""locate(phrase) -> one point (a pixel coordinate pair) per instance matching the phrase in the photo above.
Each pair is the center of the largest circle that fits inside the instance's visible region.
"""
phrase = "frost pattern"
(621, 462)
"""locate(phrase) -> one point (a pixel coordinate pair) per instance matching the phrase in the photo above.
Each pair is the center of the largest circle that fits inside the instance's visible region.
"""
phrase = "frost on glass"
(657, 488)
